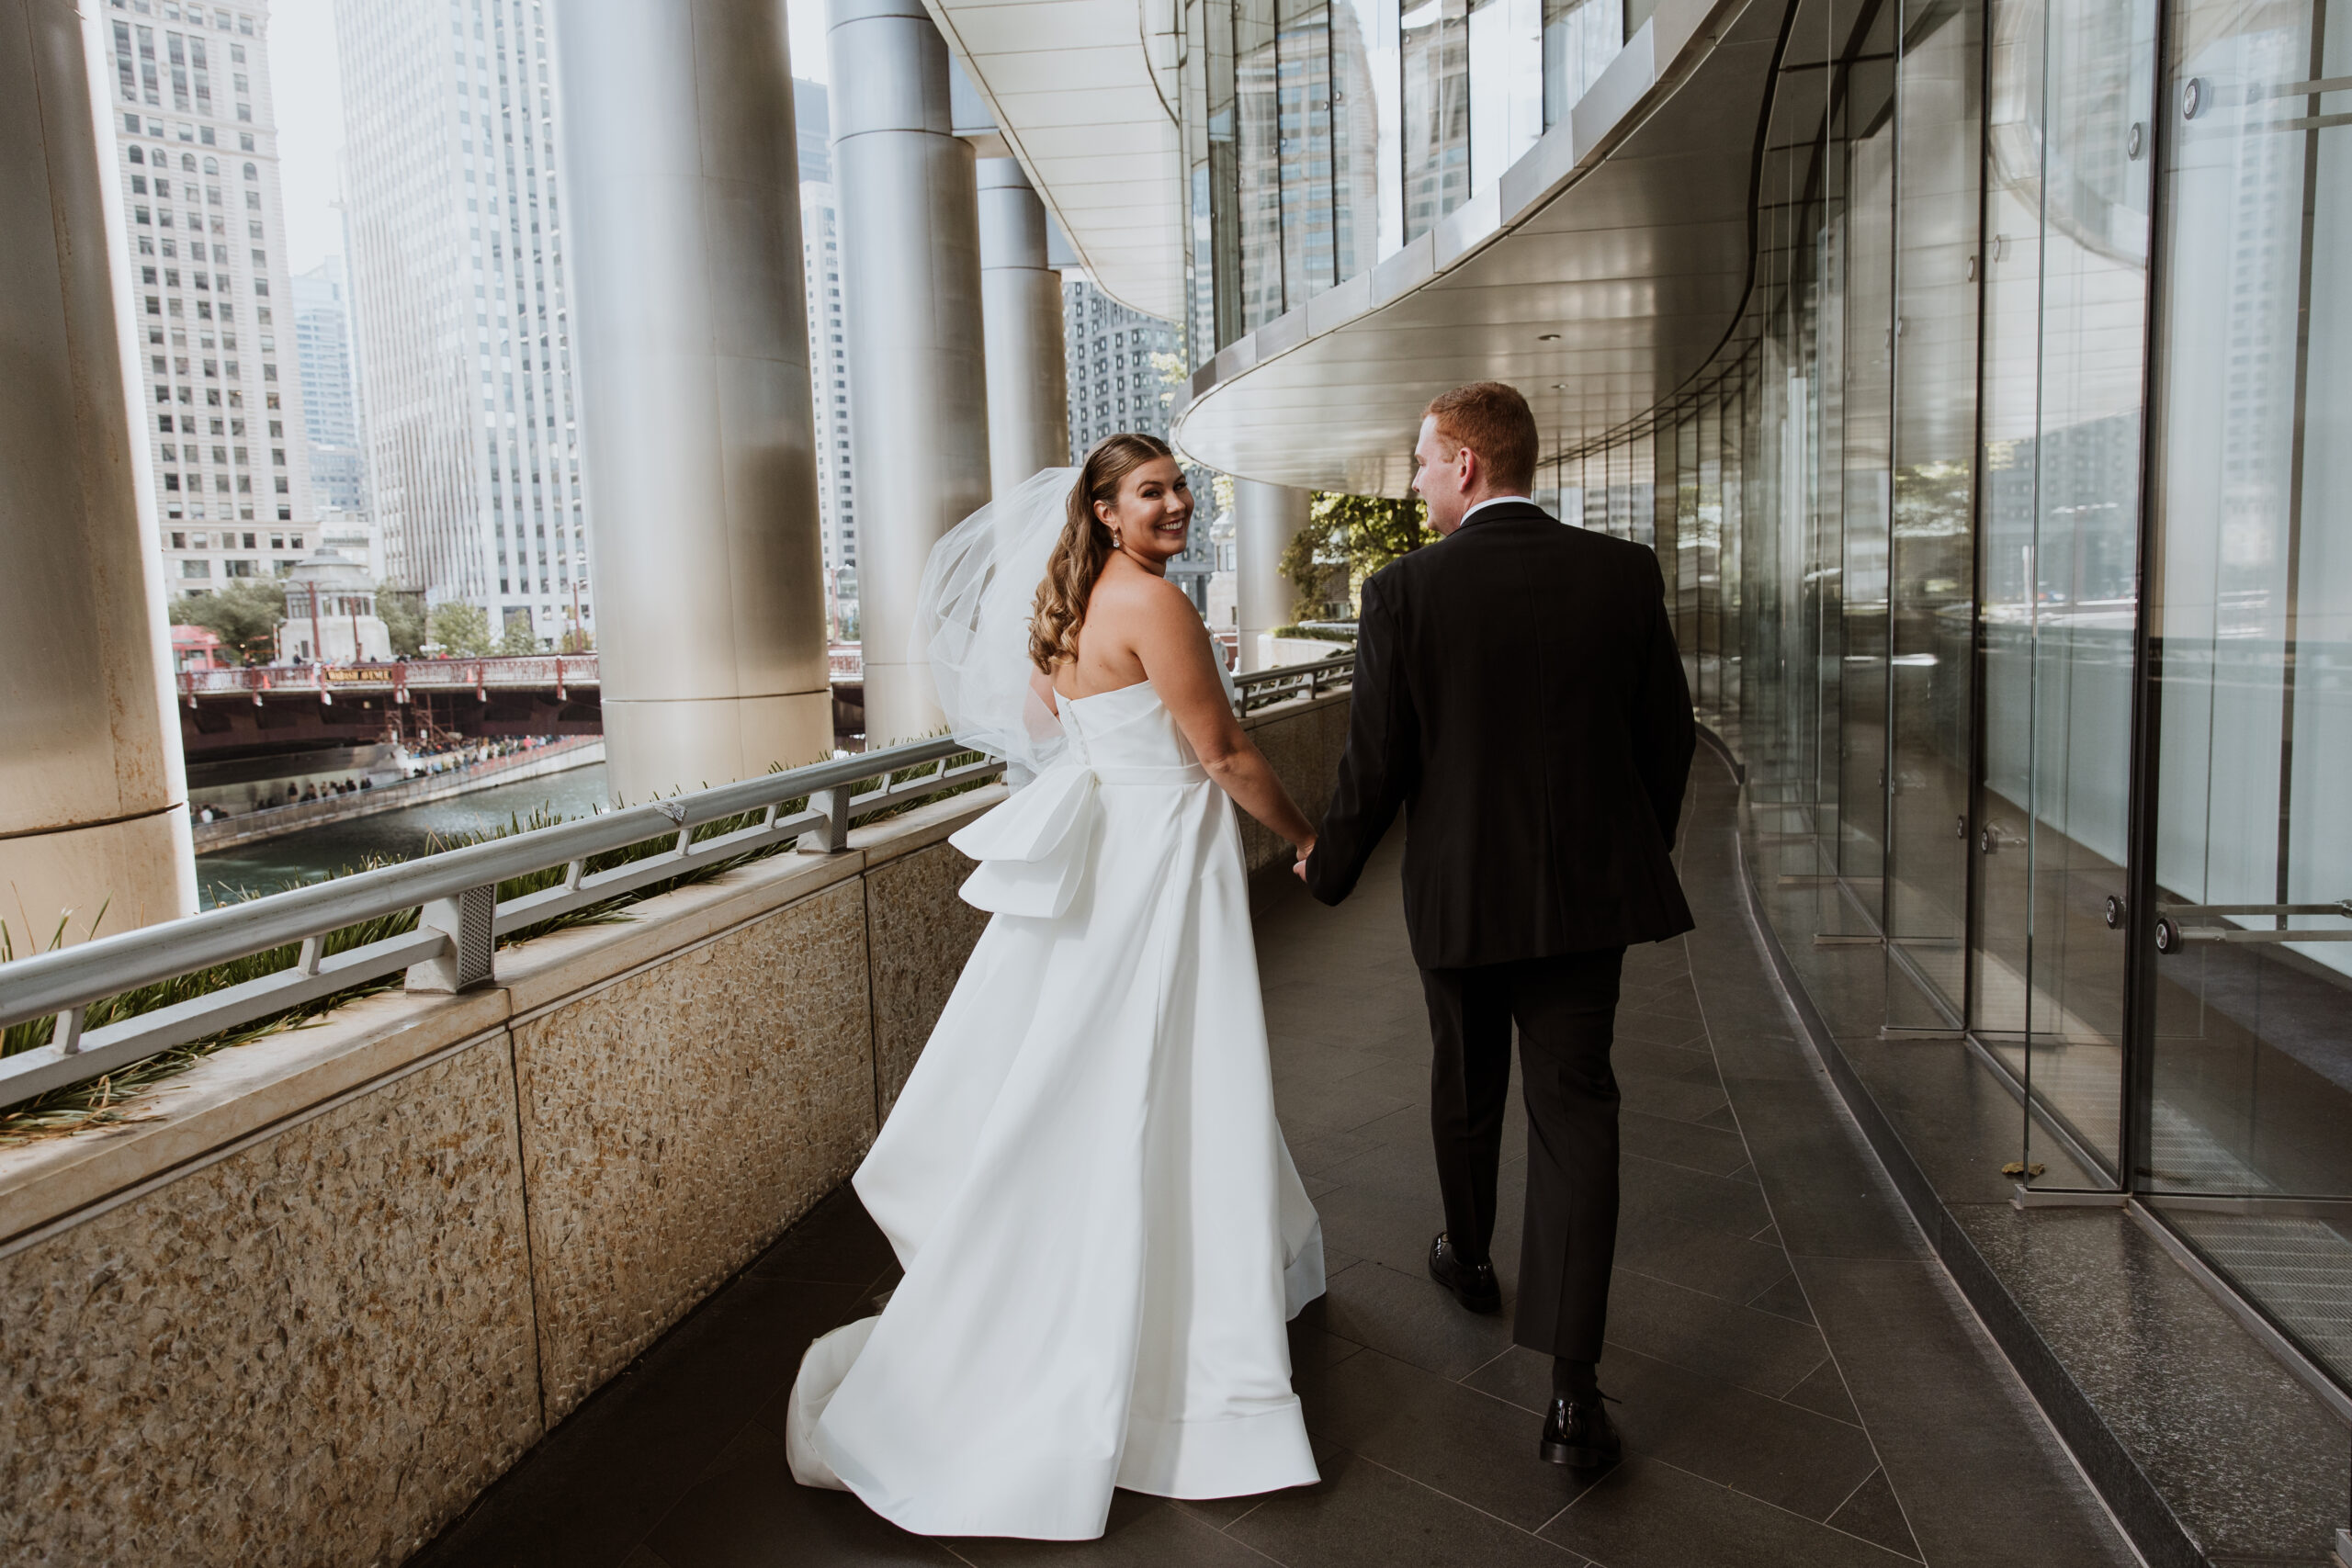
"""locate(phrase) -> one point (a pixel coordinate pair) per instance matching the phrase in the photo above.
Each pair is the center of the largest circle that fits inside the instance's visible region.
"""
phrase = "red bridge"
(283, 707)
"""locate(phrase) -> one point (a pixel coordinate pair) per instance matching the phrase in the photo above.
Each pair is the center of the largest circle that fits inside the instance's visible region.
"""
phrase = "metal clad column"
(690, 337)
(1021, 303)
(93, 795)
(1265, 518)
(911, 254)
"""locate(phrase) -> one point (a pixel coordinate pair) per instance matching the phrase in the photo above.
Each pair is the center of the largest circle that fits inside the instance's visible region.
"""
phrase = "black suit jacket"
(1518, 693)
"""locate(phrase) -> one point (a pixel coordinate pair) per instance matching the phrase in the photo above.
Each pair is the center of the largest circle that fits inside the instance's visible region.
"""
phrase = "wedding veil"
(972, 614)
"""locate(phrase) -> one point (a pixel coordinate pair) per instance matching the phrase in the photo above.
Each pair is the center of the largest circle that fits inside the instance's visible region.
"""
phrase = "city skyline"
(446, 510)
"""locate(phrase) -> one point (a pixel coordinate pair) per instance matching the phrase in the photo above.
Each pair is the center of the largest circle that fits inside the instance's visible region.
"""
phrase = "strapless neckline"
(1091, 697)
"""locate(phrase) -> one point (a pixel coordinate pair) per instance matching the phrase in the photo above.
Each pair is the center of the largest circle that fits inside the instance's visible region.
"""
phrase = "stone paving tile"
(1653, 1514)
(1446, 1435)
(1874, 1515)
(1699, 1259)
(1367, 1516)
(1692, 1145)
(1410, 1317)
(1779, 1452)
(1142, 1532)
(747, 1512)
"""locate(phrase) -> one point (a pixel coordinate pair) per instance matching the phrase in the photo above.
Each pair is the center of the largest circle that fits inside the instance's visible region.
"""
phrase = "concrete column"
(1265, 518)
(1022, 304)
(689, 340)
(93, 795)
(910, 294)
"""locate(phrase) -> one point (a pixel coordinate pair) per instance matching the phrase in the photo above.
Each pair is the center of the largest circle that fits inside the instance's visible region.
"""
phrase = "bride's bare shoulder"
(1139, 596)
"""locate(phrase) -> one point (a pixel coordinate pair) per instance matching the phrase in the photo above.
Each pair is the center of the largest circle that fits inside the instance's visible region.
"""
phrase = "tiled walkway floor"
(1801, 1383)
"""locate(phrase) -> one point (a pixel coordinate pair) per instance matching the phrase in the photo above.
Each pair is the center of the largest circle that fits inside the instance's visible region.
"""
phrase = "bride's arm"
(1174, 648)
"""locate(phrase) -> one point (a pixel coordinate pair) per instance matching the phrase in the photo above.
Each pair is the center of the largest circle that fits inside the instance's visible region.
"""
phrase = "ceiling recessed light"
(1559, 385)
(1547, 337)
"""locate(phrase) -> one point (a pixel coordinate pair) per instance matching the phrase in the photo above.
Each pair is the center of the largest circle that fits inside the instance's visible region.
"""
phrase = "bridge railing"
(460, 916)
(1264, 688)
(533, 669)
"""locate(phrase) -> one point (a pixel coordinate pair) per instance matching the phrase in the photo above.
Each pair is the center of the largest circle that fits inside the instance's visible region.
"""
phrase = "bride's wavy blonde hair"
(1086, 543)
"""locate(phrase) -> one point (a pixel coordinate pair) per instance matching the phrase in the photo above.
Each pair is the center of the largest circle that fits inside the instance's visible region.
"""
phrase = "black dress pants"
(1567, 1010)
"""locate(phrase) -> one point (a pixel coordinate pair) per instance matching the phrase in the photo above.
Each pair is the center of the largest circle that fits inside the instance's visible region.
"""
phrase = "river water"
(275, 865)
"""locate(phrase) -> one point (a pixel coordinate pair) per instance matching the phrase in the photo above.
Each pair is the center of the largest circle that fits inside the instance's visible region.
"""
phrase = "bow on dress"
(1032, 848)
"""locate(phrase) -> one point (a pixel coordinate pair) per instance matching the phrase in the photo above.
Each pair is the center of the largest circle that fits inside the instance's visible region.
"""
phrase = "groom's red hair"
(1494, 420)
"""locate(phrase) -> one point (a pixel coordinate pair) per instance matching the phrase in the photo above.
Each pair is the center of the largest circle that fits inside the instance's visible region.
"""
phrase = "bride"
(1102, 1229)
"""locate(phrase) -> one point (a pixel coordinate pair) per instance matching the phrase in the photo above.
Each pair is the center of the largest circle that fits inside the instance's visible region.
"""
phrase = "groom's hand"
(1300, 865)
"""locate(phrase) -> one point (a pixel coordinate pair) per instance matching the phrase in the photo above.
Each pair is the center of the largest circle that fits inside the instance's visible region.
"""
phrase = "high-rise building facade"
(330, 388)
(828, 355)
(454, 216)
(1120, 363)
(195, 146)
(1122, 369)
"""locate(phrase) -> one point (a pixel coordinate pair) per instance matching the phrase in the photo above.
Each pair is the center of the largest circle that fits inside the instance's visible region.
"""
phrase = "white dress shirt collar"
(1496, 500)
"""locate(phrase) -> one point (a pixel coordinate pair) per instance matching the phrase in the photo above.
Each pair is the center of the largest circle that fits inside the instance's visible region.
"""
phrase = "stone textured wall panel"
(922, 934)
(317, 1349)
(1304, 744)
(677, 1119)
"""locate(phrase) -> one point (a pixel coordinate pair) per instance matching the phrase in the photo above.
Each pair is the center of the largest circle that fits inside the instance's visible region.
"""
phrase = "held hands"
(1299, 867)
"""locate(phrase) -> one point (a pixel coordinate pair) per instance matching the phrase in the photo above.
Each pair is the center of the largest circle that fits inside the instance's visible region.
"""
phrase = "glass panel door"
(2065, 313)
(2250, 1118)
(1866, 124)
(1932, 574)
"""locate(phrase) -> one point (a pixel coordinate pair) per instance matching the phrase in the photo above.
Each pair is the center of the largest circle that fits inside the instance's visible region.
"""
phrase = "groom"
(1518, 693)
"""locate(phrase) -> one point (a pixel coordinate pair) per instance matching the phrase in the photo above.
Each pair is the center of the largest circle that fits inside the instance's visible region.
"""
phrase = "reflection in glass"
(1367, 220)
(1867, 339)
(1437, 112)
(1257, 83)
(2060, 545)
(1580, 37)
(2251, 634)
(1930, 574)
(1507, 64)
(1303, 147)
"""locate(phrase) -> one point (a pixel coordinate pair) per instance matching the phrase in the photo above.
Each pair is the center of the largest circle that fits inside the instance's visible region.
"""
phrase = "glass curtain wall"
(2008, 543)
(2248, 1095)
(1322, 135)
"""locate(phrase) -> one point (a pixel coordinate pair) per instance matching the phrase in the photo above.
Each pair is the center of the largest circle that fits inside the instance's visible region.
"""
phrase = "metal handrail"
(1262, 688)
(2173, 932)
(460, 918)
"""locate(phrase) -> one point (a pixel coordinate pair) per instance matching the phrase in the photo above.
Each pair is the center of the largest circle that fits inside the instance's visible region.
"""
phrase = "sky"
(304, 75)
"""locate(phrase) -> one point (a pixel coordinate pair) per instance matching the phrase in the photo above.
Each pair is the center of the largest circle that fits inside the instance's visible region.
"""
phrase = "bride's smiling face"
(1153, 516)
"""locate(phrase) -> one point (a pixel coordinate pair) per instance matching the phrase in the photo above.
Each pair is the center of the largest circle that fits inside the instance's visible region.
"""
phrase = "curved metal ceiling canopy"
(1074, 91)
(1598, 274)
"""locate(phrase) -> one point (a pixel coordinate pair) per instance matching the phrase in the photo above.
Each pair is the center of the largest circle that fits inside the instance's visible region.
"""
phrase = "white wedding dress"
(1102, 1229)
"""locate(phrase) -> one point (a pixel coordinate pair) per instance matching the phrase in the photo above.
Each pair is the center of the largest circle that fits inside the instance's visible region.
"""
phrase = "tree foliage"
(244, 616)
(518, 638)
(461, 628)
(403, 612)
(1347, 539)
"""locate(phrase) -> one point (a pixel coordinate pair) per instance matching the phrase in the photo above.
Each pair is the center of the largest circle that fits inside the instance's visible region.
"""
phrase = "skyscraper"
(458, 285)
(828, 354)
(330, 391)
(195, 145)
(1115, 358)
(1121, 365)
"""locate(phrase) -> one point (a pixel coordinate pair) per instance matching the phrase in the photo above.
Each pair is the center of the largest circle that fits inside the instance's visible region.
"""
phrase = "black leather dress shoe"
(1578, 1433)
(1473, 1284)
